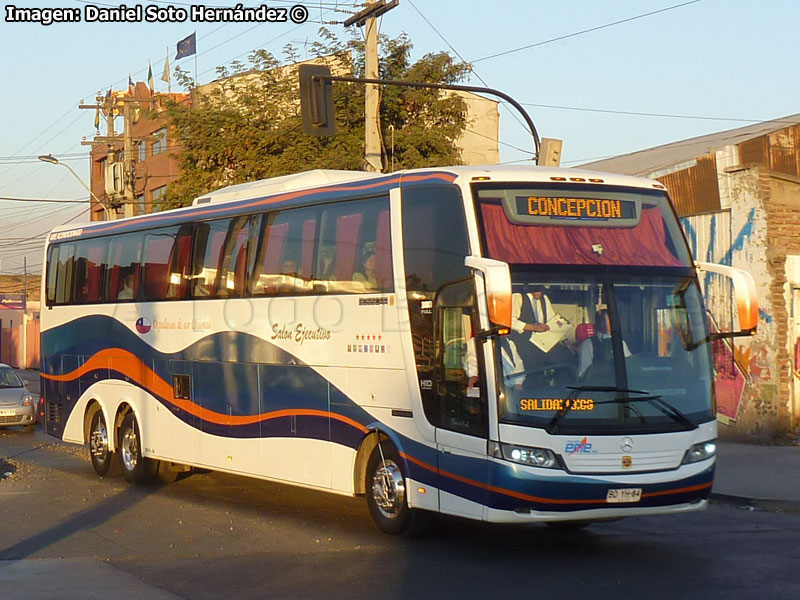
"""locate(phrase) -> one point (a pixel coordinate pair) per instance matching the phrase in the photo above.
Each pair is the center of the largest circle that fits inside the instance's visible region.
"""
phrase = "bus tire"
(167, 472)
(105, 462)
(135, 467)
(386, 495)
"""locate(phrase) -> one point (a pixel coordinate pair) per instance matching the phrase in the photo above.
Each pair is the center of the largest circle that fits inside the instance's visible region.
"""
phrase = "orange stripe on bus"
(132, 367)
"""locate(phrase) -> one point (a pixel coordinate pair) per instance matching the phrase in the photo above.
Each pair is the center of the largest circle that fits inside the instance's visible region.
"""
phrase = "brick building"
(154, 162)
(738, 195)
(155, 154)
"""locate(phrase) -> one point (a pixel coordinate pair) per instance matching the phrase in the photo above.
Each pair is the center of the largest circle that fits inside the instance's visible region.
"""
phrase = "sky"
(607, 78)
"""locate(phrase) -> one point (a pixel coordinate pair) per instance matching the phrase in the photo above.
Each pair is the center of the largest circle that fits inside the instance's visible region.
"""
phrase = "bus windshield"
(608, 328)
(601, 353)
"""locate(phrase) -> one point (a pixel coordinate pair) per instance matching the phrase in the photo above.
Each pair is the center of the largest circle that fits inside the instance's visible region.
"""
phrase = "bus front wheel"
(105, 462)
(135, 467)
(386, 495)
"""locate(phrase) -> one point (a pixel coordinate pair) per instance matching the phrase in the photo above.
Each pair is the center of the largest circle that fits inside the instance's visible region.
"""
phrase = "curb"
(778, 506)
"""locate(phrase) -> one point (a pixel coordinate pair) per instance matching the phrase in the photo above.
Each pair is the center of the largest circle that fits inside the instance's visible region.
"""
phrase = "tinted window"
(156, 276)
(89, 270)
(328, 249)
(124, 272)
(209, 243)
(435, 237)
(235, 257)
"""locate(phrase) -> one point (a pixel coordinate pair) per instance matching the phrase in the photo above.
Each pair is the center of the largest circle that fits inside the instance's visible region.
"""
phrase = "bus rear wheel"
(386, 495)
(105, 462)
(135, 467)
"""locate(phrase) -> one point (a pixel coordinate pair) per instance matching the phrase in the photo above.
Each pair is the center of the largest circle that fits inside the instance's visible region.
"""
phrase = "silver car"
(17, 406)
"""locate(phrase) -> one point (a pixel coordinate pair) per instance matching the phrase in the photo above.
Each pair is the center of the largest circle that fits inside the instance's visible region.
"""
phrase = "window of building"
(142, 150)
(157, 195)
(160, 141)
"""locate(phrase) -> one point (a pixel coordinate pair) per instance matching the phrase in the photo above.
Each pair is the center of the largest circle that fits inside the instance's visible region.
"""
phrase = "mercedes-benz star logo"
(626, 444)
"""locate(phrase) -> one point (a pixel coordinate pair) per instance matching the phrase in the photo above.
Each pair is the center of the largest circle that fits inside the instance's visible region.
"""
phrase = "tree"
(248, 126)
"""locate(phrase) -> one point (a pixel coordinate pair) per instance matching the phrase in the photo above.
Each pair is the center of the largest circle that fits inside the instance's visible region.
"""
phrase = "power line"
(584, 31)
(661, 115)
(9, 199)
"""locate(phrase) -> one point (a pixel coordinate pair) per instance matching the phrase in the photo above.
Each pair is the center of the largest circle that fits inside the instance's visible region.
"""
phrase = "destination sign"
(584, 209)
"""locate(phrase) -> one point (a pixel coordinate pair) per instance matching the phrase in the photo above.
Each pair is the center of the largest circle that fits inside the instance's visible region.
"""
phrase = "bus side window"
(179, 264)
(64, 275)
(158, 247)
(52, 273)
(267, 269)
(123, 270)
(209, 240)
(234, 257)
(355, 255)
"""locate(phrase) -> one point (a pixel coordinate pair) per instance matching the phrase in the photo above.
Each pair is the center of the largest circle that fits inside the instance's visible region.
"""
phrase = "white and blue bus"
(510, 344)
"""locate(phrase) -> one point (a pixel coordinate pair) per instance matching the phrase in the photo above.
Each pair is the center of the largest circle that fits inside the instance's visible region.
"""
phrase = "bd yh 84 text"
(152, 13)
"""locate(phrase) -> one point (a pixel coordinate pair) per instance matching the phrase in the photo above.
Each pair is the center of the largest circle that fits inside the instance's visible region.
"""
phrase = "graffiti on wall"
(742, 370)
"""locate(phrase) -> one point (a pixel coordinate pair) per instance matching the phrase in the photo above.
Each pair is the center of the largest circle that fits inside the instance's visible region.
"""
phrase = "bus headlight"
(535, 457)
(701, 451)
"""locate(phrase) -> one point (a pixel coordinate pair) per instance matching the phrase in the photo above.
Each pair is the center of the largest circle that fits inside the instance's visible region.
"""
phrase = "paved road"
(68, 534)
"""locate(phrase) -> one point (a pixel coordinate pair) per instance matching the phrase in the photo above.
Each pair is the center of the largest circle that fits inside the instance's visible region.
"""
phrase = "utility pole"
(110, 105)
(372, 125)
(25, 284)
(128, 161)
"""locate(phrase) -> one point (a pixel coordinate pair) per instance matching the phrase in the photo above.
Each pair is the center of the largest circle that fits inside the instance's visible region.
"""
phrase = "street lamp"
(49, 158)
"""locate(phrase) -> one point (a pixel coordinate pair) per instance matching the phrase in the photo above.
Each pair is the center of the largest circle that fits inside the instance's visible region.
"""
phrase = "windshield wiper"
(653, 399)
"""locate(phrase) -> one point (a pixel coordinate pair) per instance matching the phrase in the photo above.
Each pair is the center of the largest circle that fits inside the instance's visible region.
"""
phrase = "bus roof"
(324, 184)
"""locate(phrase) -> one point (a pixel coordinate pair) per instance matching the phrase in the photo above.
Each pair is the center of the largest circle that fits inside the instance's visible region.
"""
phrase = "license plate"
(7, 412)
(624, 495)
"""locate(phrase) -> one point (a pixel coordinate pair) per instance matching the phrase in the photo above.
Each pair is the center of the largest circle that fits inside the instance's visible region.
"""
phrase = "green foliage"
(247, 126)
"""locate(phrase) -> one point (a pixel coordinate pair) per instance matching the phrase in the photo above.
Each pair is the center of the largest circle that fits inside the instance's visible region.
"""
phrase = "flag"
(97, 118)
(165, 72)
(108, 104)
(150, 83)
(131, 87)
(187, 46)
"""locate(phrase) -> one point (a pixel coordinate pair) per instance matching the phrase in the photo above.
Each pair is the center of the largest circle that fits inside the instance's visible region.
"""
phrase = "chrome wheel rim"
(129, 448)
(98, 442)
(389, 489)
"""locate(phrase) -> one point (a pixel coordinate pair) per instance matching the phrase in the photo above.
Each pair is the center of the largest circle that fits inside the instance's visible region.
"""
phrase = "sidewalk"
(760, 476)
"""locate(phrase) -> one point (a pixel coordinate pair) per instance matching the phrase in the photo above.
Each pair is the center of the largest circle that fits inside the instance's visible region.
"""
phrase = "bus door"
(459, 384)
(440, 292)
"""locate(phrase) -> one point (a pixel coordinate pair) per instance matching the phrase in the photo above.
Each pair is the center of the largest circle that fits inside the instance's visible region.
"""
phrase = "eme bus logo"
(579, 447)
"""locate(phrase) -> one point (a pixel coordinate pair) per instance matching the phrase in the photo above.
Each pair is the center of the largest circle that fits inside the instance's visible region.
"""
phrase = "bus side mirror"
(316, 100)
(744, 292)
(497, 284)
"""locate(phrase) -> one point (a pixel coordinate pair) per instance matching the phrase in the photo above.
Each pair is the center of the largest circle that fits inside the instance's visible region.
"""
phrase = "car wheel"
(135, 467)
(105, 462)
(386, 495)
